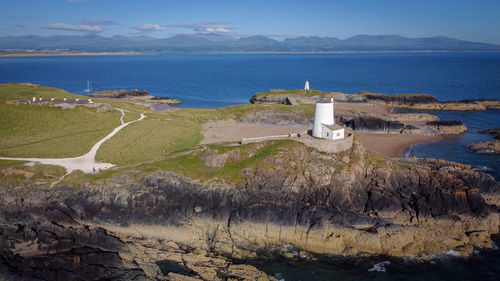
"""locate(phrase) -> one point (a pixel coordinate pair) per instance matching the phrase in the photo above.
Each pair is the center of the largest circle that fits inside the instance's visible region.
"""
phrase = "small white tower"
(323, 114)
(324, 123)
(306, 87)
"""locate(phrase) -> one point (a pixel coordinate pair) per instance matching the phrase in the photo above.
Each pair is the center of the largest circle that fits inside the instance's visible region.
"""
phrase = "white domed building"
(324, 124)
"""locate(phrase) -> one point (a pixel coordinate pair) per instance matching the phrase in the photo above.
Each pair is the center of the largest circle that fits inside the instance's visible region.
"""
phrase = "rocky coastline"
(407, 101)
(136, 95)
(163, 226)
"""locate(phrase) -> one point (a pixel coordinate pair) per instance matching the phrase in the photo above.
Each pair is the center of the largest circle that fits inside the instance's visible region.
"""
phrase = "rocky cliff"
(163, 226)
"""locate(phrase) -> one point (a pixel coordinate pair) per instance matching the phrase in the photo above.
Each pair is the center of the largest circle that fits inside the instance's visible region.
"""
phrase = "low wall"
(323, 145)
(328, 146)
(266, 138)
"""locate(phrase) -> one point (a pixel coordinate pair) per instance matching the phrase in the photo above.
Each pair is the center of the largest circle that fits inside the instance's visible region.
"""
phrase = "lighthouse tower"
(323, 115)
(306, 87)
(324, 125)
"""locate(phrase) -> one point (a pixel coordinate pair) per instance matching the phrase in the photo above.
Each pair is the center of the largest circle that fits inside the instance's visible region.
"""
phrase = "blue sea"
(217, 80)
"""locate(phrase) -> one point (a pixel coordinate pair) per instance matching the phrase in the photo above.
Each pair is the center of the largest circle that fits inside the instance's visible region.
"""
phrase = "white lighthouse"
(324, 124)
(306, 87)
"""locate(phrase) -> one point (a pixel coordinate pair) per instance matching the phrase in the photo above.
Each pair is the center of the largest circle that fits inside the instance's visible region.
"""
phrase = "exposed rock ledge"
(165, 227)
(485, 147)
(134, 95)
(410, 101)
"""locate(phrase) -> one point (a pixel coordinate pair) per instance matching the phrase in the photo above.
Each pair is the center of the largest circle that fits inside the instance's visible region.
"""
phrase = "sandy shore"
(232, 131)
(391, 145)
(56, 54)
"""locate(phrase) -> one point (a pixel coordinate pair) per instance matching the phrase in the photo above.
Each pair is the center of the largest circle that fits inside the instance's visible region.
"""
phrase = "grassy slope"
(15, 172)
(162, 134)
(44, 131)
(18, 91)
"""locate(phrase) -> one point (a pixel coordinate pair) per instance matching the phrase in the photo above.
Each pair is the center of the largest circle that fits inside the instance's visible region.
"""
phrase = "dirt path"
(86, 162)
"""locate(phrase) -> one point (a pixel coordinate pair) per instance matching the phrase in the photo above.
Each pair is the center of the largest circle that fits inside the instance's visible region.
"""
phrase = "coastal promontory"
(184, 198)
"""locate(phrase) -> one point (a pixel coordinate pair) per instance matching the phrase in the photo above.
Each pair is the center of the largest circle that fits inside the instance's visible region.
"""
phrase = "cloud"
(99, 22)
(147, 27)
(82, 27)
(208, 26)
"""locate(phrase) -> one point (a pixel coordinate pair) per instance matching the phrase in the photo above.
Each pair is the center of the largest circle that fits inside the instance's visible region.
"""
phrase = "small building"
(324, 124)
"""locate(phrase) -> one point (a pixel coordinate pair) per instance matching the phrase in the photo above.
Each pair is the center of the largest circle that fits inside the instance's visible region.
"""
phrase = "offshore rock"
(447, 127)
(135, 95)
(485, 147)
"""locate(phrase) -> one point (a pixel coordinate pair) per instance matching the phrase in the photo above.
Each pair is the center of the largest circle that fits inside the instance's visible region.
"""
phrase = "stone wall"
(328, 146)
(323, 145)
(266, 138)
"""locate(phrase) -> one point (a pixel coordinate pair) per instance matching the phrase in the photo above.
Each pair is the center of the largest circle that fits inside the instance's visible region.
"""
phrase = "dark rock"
(371, 124)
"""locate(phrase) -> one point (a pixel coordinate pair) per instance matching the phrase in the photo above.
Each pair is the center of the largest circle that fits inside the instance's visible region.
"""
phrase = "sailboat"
(89, 88)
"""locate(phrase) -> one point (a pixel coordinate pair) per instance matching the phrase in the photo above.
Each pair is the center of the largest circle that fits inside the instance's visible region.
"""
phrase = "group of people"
(94, 169)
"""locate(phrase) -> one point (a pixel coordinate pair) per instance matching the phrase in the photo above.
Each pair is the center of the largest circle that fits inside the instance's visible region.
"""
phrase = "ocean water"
(216, 80)
(483, 265)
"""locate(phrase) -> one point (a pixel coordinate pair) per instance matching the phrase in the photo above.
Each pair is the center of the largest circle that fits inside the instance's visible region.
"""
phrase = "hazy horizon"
(465, 20)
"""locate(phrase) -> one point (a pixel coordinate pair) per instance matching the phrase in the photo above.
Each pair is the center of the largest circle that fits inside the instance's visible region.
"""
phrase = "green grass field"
(44, 131)
(16, 172)
(30, 130)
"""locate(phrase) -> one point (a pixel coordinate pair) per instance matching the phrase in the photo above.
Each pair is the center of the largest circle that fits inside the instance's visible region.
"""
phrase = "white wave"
(279, 276)
(380, 266)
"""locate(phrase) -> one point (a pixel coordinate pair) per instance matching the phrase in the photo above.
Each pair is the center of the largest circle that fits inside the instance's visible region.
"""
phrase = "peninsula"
(197, 194)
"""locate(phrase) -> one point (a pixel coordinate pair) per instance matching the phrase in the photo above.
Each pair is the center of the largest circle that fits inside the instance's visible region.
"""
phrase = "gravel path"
(86, 162)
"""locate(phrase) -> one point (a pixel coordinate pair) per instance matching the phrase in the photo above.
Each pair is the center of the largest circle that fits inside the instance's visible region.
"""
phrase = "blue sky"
(475, 20)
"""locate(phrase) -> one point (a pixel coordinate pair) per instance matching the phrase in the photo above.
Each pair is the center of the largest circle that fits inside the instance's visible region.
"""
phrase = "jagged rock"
(371, 124)
(485, 147)
(495, 132)
(447, 127)
(134, 94)
(126, 227)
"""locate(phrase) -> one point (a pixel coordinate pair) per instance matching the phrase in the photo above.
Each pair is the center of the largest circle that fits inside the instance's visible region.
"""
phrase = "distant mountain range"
(215, 42)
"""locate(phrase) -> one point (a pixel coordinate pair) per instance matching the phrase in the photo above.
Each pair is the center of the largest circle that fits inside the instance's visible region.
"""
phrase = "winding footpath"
(86, 162)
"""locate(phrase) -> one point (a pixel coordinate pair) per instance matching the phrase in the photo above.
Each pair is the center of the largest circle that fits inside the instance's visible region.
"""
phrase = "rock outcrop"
(409, 101)
(487, 147)
(162, 226)
(371, 124)
(134, 94)
(447, 127)
(495, 132)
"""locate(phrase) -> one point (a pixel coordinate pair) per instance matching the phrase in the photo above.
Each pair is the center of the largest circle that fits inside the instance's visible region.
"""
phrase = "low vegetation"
(17, 172)
(161, 141)
(31, 130)
(305, 93)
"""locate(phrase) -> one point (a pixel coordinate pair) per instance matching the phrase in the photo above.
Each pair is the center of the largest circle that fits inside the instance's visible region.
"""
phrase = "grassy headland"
(32, 130)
